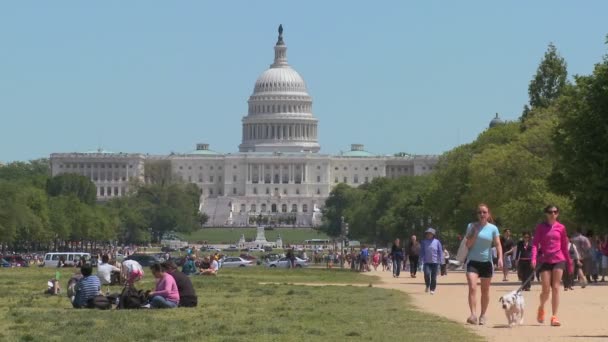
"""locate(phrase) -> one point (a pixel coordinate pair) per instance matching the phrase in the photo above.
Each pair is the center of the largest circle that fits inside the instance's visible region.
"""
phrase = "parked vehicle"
(284, 263)
(231, 249)
(256, 249)
(145, 260)
(4, 263)
(236, 262)
(16, 260)
(70, 258)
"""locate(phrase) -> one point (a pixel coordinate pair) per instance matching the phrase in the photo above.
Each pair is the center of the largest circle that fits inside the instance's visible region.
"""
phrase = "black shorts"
(550, 267)
(484, 269)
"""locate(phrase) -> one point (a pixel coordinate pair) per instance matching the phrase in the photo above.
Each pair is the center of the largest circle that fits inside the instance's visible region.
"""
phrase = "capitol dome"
(279, 117)
(280, 80)
(496, 121)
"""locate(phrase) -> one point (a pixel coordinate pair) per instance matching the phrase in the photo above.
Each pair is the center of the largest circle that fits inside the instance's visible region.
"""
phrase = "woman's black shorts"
(550, 267)
(484, 269)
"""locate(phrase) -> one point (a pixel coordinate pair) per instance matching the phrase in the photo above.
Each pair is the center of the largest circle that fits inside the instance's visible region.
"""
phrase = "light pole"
(343, 235)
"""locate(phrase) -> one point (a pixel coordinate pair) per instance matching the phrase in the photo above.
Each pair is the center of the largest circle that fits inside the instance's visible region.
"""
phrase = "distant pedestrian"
(413, 252)
(397, 255)
(583, 245)
(431, 254)
(523, 258)
(508, 247)
(446, 260)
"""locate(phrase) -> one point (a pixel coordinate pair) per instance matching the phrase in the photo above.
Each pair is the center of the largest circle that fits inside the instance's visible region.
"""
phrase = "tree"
(72, 184)
(581, 142)
(549, 81)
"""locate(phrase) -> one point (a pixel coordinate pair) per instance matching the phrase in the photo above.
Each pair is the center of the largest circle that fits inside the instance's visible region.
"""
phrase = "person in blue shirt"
(87, 288)
(480, 236)
(431, 253)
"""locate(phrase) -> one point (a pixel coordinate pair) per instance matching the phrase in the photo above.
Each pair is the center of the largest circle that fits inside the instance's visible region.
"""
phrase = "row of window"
(276, 191)
(356, 168)
(355, 179)
(111, 191)
(211, 167)
(94, 165)
(277, 108)
(274, 208)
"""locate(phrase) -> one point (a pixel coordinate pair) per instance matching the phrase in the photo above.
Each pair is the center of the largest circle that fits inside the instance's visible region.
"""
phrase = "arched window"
(243, 208)
(304, 208)
(294, 208)
(284, 208)
(253, 208)
(274, 208)
(263, 207)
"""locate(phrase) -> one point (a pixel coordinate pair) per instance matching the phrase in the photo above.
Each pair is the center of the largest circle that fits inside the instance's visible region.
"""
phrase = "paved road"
(583, 312)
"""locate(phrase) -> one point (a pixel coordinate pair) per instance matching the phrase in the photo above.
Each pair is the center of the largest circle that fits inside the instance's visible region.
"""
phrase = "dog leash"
(525, 283)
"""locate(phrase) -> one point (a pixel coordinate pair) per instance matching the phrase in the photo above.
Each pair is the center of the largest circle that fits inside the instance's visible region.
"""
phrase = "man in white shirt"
(105, 270)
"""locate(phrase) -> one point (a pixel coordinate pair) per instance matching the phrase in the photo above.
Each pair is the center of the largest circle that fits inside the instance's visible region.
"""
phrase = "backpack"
(131, 298)
(99, 302)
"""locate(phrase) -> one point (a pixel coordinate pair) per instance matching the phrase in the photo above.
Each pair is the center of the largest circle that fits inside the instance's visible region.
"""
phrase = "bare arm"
(498, 250)
(472, 236)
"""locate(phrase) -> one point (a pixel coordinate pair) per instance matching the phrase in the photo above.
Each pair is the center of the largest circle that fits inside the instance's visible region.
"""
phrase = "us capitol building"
(278, 176)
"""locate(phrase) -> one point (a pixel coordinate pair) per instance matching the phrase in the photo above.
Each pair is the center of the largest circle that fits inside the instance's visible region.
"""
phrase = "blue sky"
(160, 76)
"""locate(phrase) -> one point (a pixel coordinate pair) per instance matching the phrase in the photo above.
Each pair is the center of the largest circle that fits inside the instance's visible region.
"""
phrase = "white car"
(284, 263)
(251, 250)
(236, 262)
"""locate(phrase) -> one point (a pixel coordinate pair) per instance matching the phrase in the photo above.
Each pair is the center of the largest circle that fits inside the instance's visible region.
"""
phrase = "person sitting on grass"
(189, 266)
(87, 287)
(53, 287)
(209, 267)
(187, 295)
(105, 270)
(166, 294)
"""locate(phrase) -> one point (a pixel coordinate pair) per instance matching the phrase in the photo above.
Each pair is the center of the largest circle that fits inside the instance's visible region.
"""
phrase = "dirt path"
(583, 312)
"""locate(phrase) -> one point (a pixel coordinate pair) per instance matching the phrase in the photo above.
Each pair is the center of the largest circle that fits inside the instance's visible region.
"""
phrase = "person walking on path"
(551, 237)
(604, 257)
(431, 254)
(397, 255)
(480, 235)
(413, 252)
(444, 265)
(523, 257)
(568, 278)
(583, 245)
(508, 247)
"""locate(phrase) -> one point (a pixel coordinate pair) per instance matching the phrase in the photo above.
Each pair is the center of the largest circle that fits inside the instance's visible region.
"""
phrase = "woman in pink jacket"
(552, 240)
(166, 294)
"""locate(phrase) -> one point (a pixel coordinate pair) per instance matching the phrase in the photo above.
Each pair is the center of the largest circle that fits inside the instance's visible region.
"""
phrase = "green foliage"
(581, 141)
(378, 211)
(36, 209)
(549, 81)
(70, 183)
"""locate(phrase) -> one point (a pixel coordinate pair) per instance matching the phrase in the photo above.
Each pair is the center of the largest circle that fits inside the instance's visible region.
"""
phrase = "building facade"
(278, 176)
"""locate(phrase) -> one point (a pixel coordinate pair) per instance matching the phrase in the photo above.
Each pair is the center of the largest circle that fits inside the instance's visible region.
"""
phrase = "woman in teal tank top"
(480, 237)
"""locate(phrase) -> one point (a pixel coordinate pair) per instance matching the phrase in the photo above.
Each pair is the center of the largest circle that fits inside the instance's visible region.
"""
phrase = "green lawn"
(232, 235)
(232, 307)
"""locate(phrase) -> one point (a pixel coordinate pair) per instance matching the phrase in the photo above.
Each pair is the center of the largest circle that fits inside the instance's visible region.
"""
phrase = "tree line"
(557, 152)
(40, 212)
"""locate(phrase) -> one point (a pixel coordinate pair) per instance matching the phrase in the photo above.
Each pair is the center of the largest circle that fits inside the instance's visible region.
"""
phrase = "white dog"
(513, 304)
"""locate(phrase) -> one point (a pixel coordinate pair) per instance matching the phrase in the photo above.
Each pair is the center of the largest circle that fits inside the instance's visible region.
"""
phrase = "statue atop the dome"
(280, 40)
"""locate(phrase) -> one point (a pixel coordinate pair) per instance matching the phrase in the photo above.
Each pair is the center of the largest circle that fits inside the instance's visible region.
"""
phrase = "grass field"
(233, 306)
(232, 235)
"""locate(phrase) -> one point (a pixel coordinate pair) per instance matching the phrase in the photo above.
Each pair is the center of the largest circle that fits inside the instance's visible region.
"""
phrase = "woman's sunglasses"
(551, 212)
